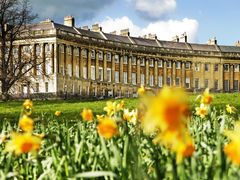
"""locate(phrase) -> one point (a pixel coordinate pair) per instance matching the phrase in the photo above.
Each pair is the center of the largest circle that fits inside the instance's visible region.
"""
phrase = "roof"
(49, 24)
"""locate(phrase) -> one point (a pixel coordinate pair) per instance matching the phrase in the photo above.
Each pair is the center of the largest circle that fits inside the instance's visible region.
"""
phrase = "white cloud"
(153, 9)
(164, 30)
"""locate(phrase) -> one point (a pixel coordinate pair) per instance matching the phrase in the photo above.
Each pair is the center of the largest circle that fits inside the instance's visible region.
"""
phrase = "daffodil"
(202, 111)
(58, 113)
(230, 109)
(232, 149)
(113, 107)
(28, 104)
(87, 114)
(107, 128)
(206, 97)
(130, 116)
(23, 143)
(141, 91)
(167, 111)
(26, 123)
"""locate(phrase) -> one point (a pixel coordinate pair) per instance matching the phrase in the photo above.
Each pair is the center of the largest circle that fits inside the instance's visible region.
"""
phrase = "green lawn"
(72, 108)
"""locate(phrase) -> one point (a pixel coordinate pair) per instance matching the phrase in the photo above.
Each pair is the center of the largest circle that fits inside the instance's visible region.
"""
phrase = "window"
(109, 73)
(134, 81)
(100, 73)
(151, 80)
(235, 85)
(116, 76)
(151, 63)
(187, 82)
(125, 60)
(160, 79)
(85, 72)
(142, 79)
(37, 87)
(169, 64)
(48, 67)
(92, 54)
(142, 62)
(116, 58)
(206, 83)
(215, 67)
(236, 68)
(76, 52)
(160, 63)
(26, 49)
(216, 84)
(109, 58)
(84, 53)
(226, 67)
(134, 61)
(125, 78)
(69, 70)
(46, 87)
(226, 85)
(93, 76)
(100, 55)
(206, 67)
(197, 67)
(178, 65)
(69, 50)
(169, 81)
(47, 48)
(39, 69)
(196, 83)
(177, 81)
(188, 65)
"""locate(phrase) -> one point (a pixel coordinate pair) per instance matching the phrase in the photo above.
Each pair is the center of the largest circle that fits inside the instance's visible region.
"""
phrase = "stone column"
(34, 59)
(138, 71)
(130, 70)
(147, 72)
(164, 73)
(104, 66)
(174, 73)
(155, 72)
(73, 63)
(113, 68)
(183, 75)
(64, 61)
(89, 64)
(43, 58)
(231, 77)
(57, 60)
(97, 65)
(121, 70)
(80, 63)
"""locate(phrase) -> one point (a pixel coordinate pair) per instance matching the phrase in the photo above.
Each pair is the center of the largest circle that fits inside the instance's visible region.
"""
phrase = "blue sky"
(200, 19)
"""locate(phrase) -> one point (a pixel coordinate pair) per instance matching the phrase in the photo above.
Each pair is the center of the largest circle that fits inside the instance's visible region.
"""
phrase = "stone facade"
(86, 63)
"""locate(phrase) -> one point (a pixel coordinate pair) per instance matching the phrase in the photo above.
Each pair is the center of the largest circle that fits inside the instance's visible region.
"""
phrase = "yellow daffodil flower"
(202, 111)
(26, 123)
(23, 143)
(107, 128)
(206, 97)
(230, 109)
(141, 91)
(87, 114)
(58, 113)
(232, 149)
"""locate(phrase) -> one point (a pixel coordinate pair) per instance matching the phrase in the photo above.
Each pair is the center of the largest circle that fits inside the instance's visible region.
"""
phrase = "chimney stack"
(96, 28)
(212, 41)
(176, 38)
(125, 32)
(114, 32)
(152, 36)
(237, 43)
(85, 28)
(185, 37)
(69, 21)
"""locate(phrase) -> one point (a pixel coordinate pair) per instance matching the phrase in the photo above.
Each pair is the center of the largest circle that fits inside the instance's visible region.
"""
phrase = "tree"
(15, 19)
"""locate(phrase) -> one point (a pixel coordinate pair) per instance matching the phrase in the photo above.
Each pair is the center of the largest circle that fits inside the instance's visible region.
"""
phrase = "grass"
(73, 149)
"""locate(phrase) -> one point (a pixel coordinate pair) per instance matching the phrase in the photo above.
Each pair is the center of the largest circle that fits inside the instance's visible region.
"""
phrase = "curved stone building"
(84, 62)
